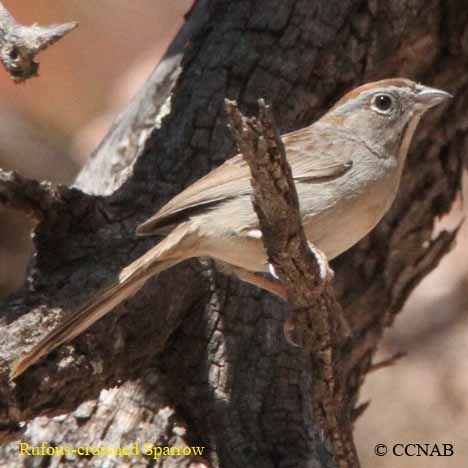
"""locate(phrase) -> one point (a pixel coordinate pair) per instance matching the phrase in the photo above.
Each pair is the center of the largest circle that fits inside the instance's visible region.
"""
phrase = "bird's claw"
(290, 332)
(325, 271)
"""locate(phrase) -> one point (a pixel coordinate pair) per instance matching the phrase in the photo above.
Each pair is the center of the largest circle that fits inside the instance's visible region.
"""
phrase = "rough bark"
(203, 344)
(314, 313)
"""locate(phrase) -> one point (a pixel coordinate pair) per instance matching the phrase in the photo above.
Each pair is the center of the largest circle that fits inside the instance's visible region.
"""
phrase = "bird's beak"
(427, 97)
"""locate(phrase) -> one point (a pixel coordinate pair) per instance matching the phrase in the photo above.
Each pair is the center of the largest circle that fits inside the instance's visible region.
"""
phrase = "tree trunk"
(198, 358)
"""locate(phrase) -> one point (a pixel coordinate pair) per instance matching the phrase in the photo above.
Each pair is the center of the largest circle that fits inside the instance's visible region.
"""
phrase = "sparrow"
(346, 167)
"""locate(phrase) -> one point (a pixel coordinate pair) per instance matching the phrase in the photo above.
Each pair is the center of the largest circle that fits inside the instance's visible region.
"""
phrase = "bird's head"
(385, 113)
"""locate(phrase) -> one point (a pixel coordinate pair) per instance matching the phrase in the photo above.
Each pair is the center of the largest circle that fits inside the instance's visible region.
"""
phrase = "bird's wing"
(232, 179)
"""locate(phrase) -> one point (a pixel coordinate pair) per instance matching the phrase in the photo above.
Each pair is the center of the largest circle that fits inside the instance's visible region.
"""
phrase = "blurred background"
(49, 127)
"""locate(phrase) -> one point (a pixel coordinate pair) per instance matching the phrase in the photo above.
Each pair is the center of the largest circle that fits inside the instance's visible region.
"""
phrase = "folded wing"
(232, 179)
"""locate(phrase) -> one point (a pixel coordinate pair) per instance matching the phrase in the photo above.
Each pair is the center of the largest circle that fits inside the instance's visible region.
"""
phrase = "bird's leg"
(273, 287)
(276, 288)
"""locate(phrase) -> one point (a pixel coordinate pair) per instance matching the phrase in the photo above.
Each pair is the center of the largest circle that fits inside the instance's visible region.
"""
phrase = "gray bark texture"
(20, 44)
(198, 358)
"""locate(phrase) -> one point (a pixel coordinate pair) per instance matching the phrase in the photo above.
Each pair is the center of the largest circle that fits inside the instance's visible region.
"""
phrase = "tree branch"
(29, 196)
(20, 44)
(302, 269)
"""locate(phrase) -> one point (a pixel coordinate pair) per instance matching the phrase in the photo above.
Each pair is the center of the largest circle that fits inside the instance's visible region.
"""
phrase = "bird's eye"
(382, 103)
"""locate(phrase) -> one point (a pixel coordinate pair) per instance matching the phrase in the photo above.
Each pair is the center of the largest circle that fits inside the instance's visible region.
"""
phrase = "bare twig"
(263, 150)
(19, 44)
(360, 410)
(314, 310)
(387, 362)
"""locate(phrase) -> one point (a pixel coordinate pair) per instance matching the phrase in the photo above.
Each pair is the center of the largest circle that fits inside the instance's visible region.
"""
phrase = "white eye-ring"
(383, 103)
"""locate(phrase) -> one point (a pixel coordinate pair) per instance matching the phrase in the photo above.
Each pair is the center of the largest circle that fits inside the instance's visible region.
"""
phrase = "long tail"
(131, 280)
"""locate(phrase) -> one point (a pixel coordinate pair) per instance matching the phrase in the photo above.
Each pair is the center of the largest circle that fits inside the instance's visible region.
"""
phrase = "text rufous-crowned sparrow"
(346, 166)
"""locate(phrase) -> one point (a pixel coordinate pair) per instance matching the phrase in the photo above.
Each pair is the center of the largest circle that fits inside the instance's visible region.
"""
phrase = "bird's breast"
(351, 215)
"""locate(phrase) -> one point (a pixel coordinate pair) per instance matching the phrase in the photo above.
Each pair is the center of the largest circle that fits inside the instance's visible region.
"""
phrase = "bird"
(346, 166)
